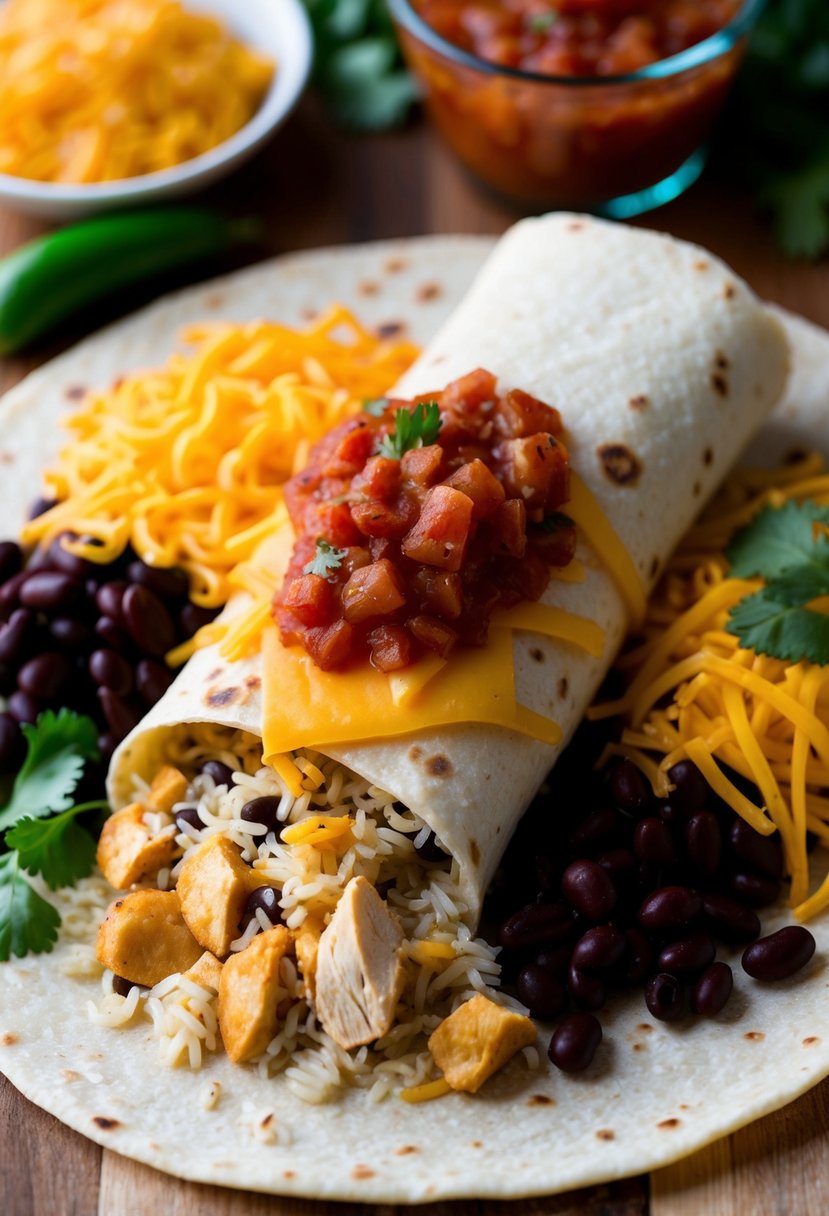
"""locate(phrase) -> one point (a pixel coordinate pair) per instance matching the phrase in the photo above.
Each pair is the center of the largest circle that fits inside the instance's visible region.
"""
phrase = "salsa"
(415, 521)
(576, 37)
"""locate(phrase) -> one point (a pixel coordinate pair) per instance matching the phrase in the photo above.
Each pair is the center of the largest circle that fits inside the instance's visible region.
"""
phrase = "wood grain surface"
(316, 187)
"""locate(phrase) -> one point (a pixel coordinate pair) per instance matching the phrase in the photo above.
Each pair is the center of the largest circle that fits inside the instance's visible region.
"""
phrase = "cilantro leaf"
(326, 559)
(778, 539)
(783, 631)
(27, 922)
(555, 521)
(412, 429)
(376, 406)
(540, 23)
(57, 848)
(59, 746)
(799, 203)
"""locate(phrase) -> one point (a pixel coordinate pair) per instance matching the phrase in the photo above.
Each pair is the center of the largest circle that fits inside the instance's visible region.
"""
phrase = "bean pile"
(634, 891)
(87, 637)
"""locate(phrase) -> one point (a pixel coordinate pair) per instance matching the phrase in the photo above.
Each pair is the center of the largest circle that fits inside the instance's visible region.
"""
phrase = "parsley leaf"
(59, 746)
(783, 631)
(412, 429)
(376, 406)
(27, 922)
(57, 848)
(779, 538)
(326, 559)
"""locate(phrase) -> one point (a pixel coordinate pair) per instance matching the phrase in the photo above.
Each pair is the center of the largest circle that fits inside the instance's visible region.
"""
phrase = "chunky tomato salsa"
(576, 37)
(417, 519)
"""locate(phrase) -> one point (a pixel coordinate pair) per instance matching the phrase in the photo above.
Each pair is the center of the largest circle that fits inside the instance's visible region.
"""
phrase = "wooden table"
(316, 188)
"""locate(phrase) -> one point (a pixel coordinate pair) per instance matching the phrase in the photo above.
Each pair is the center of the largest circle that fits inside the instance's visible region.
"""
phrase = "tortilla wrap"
(660, 1096)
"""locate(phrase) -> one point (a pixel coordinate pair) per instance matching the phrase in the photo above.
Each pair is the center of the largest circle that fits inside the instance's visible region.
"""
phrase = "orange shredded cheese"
(101, 90)
(425, 1093)
(765, 719)
(187, 463)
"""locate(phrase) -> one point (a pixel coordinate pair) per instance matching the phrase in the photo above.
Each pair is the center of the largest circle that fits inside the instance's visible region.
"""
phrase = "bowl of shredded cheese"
(111, 102)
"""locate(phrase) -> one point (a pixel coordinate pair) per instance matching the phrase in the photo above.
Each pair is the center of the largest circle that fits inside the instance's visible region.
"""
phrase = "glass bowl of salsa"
(601, 105)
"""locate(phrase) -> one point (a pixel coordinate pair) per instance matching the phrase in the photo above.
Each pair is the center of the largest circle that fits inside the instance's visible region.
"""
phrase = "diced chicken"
(249, 995)
(144, 938)
(306, 943)
(207, 971)
(360, 970)
(128, 851)
(476, 1040)
(213, 886)
(169, 787)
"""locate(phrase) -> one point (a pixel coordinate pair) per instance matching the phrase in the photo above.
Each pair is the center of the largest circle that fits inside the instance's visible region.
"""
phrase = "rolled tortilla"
(663, 363)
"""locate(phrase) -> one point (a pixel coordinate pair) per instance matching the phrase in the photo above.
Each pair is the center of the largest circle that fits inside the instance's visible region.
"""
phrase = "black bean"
(23, 707)
(121, 715)
(8, 679)
(763, 854)
(263, 810)
(45, 675)
(219, 773)
(691, 789)
(586, 990)
(192, 617)
(536, 925)
(12, 745)
(629, 788)
(672, 813)
(664, 998)
(40, 506)
(266, 899)
(10, 593)
(170, 583)
(48, 590)
(109, 597)
(638, 961)
(540, 990)
(547, 874)
(152, 679)
(69, 563)
(730, 920)
(16, 635)
(600, 829)
(148, 622)
(555, 959)
(107, 743)
(190, 816)
(779, 955)
(757, 890)
(703, 843)
(599, 949)
(589, 889)
(11, 560)
(619, 863)
(710, 993)
(689, 955)
(652, 841)
(668, 909)
(575, 1042)
(109, 670)
(111, 633)
(70, 634)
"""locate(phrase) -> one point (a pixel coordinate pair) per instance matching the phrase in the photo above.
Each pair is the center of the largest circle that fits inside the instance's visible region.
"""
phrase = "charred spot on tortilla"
(9, 1040)
(214, 300)
(7, 457)
(216, 674)
(309, 314)
(575, 226)
(719, 384)
(697, 490)
(439, 766)
(639, 1047)
(415, 752)
(721, 362)
(540, 1100)
(69, 1075)
(362, 1171)
(288, 1174)
(395, 265)
(427, 292)
(406, 1149)
(668, 1124)
(729, 291)
(645, 1027)
(476, 1144)
(537, 655)
(368, 288)
(702, 265)
(754, 1036)
(105, 1124)
(74, 392)
(811, 1040)
(708, 456)
(219, 698)
(563, 687)
(253, 682)
(640, 402)
(605, 1133)
(475, 852)
(390, 329)
(620, 464)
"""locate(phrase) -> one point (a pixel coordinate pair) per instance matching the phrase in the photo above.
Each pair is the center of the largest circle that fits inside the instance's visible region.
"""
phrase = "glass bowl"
(615, 145)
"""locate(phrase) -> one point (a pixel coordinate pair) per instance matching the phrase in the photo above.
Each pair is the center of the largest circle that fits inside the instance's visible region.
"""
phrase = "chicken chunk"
(144, 938)
(207, 971)
(128, 851)
(306, 943)
(360, 971)
(169, 787)
(249, 995)
(213, 886)
(476, 1040)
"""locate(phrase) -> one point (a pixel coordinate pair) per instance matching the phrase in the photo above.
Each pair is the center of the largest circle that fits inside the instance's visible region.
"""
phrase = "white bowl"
(279, 28)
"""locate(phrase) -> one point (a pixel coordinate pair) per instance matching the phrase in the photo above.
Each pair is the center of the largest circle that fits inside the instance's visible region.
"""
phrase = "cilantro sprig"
(788, 548)
(412, 429)
(40, 832)
(325, 561)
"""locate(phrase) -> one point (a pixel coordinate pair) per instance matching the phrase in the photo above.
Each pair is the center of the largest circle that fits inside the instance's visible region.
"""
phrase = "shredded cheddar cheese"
(101, 90)
(187, 463)
(425, 1093)
(765, 719)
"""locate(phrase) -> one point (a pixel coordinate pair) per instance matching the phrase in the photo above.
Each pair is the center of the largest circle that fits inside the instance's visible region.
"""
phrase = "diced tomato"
(391, 520)
(477, 482)
(380, 479)
(391, 647)
(524, 578)
(524, 415)
(330, 645)
(332, 521)
(422, 466)
(355, 558)
(556, 548)
(440, 536)
(381, 546)
(439, 592)
(537, 468)
(433, 633)
(352, 451)
(468, 393)
(509, 527)
(311, 598)
(374, 590)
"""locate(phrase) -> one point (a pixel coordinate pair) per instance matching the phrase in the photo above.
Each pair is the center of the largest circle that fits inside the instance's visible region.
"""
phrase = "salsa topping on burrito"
(416, 521)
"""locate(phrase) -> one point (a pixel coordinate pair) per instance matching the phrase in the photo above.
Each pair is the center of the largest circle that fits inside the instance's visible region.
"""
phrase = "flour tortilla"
(634, 1111)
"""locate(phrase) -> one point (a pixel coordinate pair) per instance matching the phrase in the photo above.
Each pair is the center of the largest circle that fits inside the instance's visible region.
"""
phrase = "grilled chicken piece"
(306, 943)
(207, 971)
(249, 995)
(213, 886)
(360, 970)
(476, 1040)
(169, 787)
(144, 938)
(127, 850)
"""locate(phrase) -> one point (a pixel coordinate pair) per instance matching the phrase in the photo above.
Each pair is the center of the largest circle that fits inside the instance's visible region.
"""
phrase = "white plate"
(281, 30)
